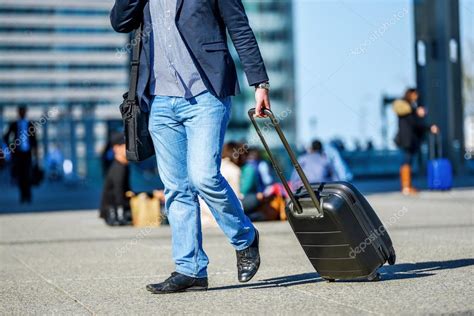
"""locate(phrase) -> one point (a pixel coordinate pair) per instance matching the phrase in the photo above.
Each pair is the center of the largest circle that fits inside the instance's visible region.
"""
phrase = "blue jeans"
(188, 135)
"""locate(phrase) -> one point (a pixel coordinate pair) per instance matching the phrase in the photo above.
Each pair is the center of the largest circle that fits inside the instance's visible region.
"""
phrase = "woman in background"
(411, 130)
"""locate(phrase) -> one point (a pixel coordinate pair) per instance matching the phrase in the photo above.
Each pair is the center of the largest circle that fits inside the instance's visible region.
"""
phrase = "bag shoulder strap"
(135, 63)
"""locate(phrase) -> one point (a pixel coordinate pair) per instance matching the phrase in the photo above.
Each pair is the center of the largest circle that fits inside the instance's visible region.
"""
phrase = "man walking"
(23, 147)
(186, 79)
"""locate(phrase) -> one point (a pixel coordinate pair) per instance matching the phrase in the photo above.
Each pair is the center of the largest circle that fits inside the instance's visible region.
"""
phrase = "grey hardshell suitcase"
(338, 229)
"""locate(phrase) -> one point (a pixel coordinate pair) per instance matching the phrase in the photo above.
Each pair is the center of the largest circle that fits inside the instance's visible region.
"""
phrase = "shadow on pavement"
(421, 269)
(396, 272)
(296, 279)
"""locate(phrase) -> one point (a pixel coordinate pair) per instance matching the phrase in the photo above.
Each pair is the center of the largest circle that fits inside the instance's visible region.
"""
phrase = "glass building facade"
(271, 21)
(62, 57)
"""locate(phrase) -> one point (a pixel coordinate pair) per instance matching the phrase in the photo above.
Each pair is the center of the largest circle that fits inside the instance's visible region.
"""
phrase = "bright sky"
(348, 54)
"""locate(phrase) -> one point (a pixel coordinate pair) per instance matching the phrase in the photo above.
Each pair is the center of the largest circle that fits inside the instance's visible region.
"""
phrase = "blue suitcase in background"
(440, 174)
(440, 171)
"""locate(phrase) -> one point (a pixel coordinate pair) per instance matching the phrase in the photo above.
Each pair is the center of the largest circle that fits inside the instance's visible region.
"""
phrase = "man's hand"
(262, 101)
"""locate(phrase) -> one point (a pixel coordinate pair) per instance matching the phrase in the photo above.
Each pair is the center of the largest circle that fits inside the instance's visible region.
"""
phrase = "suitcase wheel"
(330, 280)
(374, 277)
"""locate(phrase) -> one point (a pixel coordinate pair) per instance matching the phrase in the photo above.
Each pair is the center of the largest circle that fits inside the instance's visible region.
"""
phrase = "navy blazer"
(202, 25)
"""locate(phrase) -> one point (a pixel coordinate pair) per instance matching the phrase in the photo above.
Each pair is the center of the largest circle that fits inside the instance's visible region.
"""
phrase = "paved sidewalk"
(71, 263)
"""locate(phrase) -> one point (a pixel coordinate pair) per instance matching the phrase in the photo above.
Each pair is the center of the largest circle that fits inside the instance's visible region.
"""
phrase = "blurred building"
(469, 127)
(272, 23)
(62, 57)
(439, 72)
(468, 97)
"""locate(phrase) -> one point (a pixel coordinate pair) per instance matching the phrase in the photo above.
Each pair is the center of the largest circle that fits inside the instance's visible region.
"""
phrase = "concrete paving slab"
(71, 263)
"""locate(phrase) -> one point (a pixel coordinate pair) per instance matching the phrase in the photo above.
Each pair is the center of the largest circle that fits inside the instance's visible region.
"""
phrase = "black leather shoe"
(248, 261)
(178, 282)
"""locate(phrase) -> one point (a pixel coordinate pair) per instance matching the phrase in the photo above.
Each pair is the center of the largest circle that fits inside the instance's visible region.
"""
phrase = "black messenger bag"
(337, 228)
(137, 138)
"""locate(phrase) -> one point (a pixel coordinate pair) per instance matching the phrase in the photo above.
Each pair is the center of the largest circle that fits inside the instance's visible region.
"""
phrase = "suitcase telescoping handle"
(296, 205)
(435, 145)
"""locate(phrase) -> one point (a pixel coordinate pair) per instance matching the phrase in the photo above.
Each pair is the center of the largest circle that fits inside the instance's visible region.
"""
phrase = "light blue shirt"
(317, 168)
(173, 70)
(342, 172)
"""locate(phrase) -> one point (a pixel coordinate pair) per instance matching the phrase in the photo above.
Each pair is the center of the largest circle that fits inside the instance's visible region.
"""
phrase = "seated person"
(315, 164)
(252, 186)
(115, 206)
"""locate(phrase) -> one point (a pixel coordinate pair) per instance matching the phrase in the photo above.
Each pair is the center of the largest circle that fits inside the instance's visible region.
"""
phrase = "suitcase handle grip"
(294, 161)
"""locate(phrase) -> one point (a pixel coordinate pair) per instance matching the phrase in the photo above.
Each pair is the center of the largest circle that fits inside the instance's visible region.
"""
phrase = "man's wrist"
(263, 85)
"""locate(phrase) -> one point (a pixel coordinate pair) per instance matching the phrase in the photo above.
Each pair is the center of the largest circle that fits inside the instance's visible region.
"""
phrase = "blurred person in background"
(230, 165)
(251, 180)
(315, 164)
(342, 172)
(357, 145)
(54, 163)
(22, 144)
(106, 157)
(260, 197)
(338, 144)
(115, 205)
(251, 184)
(411, 130)
(244, 172)
(369, 146)
(265, 171)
